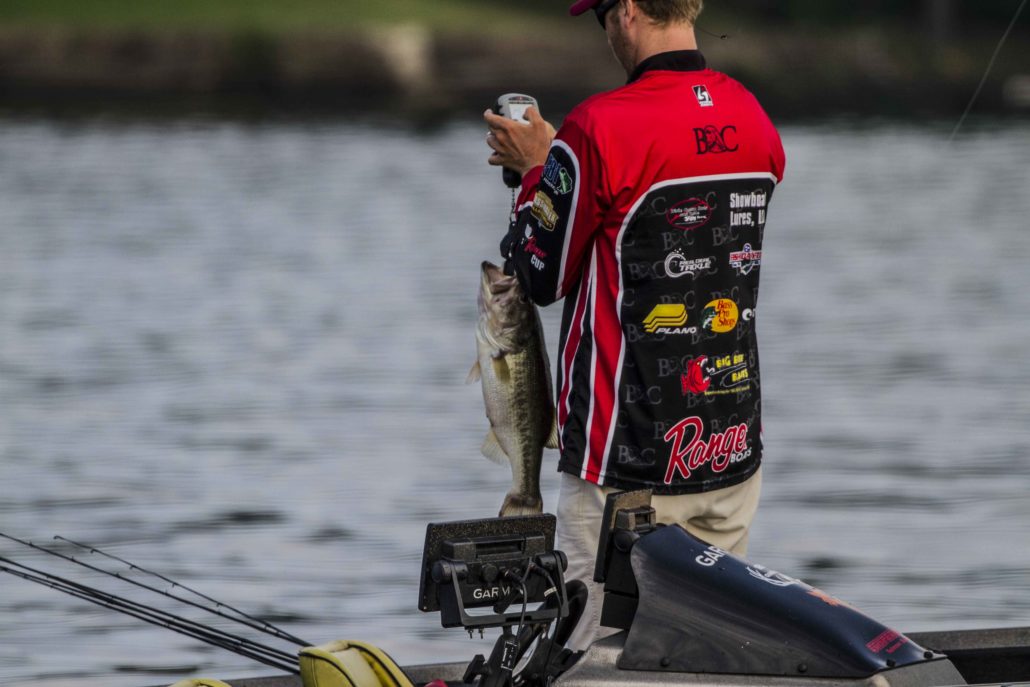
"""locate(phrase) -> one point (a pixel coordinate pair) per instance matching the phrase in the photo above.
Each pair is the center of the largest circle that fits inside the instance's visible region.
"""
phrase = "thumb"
(533, 115)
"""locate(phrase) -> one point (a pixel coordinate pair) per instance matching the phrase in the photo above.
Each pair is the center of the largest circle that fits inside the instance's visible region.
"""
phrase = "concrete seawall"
(411, 69)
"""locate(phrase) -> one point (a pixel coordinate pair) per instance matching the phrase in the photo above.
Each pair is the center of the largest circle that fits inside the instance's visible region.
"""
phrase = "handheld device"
(514, 106)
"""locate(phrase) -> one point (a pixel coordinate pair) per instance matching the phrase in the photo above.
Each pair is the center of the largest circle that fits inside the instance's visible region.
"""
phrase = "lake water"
(235, 354)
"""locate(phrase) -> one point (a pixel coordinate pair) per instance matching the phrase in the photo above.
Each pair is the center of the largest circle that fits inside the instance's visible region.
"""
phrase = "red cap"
(582, 6)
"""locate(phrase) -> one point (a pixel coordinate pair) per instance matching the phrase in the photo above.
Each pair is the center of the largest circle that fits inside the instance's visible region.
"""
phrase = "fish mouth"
(494, 280)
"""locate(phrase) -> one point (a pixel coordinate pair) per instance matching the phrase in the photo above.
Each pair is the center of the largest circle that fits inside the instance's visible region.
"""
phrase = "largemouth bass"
(516, 379)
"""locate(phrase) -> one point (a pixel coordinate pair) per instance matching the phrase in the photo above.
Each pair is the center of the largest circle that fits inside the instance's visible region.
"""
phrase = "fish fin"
(474, 373)
(552, 438)
(501, 371)
(492, 450)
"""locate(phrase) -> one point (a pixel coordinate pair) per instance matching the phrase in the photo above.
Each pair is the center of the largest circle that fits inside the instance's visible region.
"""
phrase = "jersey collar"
(676, 61)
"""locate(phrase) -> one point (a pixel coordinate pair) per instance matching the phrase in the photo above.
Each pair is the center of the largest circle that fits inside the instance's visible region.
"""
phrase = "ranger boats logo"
(668, 318)
(692, 451)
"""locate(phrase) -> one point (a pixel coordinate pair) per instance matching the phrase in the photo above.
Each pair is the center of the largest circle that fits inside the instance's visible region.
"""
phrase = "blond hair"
(668, 11)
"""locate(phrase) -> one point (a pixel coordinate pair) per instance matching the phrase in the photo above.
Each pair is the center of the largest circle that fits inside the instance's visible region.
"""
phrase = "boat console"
(500, 572)
(691, 612)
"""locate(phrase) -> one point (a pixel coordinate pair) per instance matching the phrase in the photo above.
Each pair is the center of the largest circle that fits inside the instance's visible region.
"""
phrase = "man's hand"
(517, 145)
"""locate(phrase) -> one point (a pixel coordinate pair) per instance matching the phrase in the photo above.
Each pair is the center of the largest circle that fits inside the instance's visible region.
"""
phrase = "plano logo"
(704, 98)
(668, 318)
(689, 214)
(712, 139)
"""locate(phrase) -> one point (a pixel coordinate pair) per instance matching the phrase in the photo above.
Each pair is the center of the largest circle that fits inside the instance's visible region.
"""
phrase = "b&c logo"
(712, 139)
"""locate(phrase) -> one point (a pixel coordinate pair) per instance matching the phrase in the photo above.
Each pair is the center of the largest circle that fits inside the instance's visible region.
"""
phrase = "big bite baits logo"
(724, 374)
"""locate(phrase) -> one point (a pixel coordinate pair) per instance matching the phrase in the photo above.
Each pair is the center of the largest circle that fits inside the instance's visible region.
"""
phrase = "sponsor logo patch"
(667, 318)
(536, 253)
(543, 210)
(689, 214)
(557, 177)
(720, 316)
(704, 98)
(725, 374)
(677, 265)
(745, 260)
(690, 451)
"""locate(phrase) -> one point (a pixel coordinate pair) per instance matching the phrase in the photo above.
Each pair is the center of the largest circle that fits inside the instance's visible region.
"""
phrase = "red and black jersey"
(648, 219)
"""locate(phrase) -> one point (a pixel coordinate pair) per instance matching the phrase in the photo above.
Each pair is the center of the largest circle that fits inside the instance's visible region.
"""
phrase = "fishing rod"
(990, 64)
(242, 646)
(266, 626)
(263, 627)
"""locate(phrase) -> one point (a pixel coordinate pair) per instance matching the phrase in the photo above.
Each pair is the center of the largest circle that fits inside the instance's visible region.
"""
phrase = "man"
(646, 214)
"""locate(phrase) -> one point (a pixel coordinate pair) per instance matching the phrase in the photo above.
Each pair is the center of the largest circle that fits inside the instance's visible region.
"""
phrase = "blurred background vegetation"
(496, 15)
(802, 57)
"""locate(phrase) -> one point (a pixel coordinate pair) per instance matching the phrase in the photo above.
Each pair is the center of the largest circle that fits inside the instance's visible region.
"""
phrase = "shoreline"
(419, 72)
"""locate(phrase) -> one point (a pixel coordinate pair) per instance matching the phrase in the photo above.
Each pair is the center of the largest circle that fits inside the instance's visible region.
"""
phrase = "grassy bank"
(271, 15)
(418, 56)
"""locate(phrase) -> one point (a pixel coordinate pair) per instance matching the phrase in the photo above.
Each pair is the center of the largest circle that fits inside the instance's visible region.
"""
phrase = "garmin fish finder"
(514, 106)
(498, 572)
(494, 563)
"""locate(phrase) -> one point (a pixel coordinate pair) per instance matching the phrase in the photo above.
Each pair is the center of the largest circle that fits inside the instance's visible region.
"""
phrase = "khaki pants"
(721, 517)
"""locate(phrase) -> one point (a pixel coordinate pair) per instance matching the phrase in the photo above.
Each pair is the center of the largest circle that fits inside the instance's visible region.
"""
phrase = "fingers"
(496, 121)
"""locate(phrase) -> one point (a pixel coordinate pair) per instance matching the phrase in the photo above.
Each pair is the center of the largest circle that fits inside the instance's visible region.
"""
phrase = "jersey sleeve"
(560, 207)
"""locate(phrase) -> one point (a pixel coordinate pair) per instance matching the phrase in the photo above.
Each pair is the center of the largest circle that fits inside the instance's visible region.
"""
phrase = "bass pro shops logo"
(720, 316)
(712, 139)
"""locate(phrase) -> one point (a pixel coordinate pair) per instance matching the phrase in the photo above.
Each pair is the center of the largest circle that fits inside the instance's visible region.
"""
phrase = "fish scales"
(515, 376)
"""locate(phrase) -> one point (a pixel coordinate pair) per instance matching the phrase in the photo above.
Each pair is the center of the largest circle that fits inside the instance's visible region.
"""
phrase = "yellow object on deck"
(349, 663)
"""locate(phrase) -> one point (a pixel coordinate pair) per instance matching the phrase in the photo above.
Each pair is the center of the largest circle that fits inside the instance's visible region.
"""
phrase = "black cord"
(550, 644)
